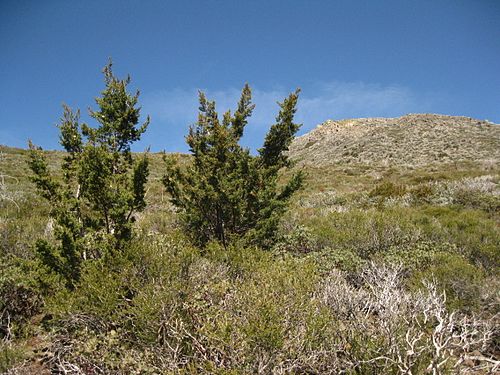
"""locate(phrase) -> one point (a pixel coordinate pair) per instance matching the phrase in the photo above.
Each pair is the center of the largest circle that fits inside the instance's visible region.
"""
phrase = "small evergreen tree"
(102, 185)
(226, 192)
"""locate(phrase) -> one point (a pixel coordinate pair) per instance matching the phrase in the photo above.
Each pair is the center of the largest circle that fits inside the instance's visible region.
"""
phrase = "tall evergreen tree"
(226, 192)
(102, 186)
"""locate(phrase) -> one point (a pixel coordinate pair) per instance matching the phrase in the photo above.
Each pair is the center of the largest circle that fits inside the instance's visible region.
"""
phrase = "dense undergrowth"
(375, 271)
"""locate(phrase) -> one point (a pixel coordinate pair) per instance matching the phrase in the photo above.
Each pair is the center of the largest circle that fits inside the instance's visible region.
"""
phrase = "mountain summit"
(413, 139)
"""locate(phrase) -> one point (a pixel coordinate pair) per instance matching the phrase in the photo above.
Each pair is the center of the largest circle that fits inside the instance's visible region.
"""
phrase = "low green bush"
(299, 241)
(10, 356)
(365, 232)
(422, 193)
(475, 234)
(461, 281)
(416, 256)
(478, 200)
(24, 284)
(345, 260)
(388, 189)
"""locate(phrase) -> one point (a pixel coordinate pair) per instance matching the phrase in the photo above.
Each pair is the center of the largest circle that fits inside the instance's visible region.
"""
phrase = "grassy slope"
(439, 219)
(427, 199)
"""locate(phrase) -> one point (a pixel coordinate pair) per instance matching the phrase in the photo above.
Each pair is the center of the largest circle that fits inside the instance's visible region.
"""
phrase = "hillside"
(410, 140)
(387, 206)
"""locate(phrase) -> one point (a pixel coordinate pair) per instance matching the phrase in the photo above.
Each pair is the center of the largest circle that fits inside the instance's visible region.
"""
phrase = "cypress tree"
(102, 185)
(227, 193)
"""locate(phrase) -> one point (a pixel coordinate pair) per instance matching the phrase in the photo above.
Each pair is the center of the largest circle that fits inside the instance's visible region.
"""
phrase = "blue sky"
(351, 58)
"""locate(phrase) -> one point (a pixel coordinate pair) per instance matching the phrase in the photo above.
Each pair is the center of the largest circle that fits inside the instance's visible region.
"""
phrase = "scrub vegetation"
(225, 262)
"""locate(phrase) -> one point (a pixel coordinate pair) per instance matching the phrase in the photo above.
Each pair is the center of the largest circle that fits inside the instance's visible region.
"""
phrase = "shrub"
(388, 330)
(10, 356)
(299, 241)
(461, 281)
(365, 232)
(22, 286)
(345, 260)
(422, 193)
(478, 200)
(475, 235)
(417, 256)
(388, 189)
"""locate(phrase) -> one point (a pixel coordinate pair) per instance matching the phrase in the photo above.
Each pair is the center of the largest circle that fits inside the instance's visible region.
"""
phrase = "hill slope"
(349, 270)
(414, 139)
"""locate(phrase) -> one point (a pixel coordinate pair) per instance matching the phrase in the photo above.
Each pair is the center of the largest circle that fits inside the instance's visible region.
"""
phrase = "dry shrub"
(389, 330)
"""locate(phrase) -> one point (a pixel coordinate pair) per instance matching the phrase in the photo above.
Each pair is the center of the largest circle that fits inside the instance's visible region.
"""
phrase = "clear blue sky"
(351, 58)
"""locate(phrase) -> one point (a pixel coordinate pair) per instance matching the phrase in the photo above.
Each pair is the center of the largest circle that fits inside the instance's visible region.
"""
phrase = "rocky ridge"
(413, 139)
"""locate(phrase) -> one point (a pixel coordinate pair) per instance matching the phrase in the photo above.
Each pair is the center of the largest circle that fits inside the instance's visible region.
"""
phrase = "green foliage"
(108, 286)
(225, 310)
(18, 303)
(10, 356)
(422, 193)
(102, 185)
(388, 189)
(226, 192)
(417, 256)
(22, 284)
(299, 241)
(366, 232)
(477, 200)
(461, 281)
(475, 235)
(342, 259)
(401, 230)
